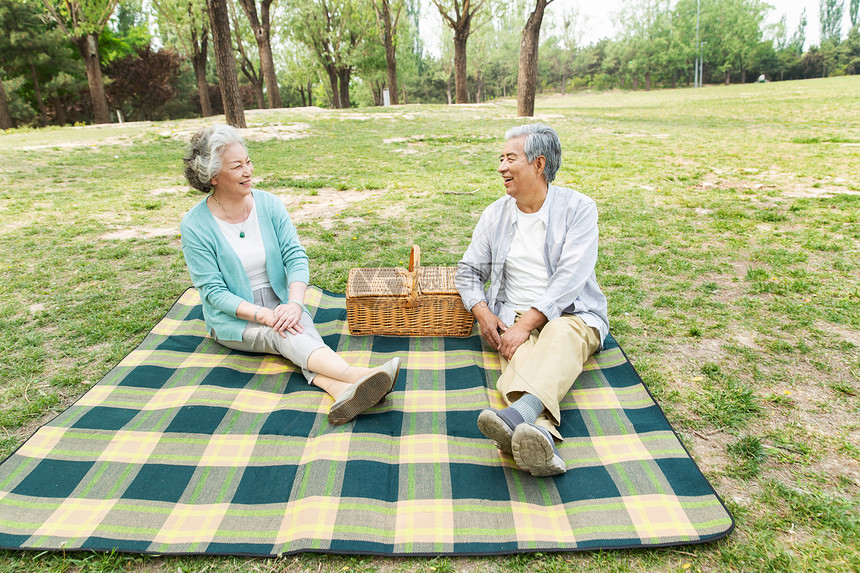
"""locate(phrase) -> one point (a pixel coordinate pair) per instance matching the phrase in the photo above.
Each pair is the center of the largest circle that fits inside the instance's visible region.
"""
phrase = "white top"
(525, 270)
(250, 248)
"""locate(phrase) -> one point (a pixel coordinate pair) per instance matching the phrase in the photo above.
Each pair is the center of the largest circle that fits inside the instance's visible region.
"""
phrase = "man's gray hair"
(541, 139)
(203, 158)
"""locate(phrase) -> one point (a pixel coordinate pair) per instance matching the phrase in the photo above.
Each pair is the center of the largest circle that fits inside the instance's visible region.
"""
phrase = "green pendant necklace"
(230, 219)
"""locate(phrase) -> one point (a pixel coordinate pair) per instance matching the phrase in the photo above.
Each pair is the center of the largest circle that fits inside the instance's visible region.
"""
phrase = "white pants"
(263, 339)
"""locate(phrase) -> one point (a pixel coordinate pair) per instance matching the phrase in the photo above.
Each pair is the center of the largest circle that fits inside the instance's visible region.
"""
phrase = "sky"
(599, 15)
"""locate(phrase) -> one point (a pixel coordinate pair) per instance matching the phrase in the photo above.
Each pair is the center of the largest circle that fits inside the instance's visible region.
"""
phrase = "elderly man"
(543, 310)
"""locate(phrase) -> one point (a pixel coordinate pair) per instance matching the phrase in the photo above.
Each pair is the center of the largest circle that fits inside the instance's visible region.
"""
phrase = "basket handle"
(414, 265)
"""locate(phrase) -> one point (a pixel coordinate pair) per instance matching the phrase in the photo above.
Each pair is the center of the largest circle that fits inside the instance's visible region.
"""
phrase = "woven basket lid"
(395, 281)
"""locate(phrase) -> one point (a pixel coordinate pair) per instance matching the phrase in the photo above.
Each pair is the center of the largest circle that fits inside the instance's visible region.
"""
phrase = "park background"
(97, 61)
(729, 254)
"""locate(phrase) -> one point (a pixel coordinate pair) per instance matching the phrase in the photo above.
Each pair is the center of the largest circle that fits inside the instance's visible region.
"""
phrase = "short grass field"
(730, 255)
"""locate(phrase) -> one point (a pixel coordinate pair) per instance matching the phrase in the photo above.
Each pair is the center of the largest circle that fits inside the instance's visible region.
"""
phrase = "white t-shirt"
(525, 270)
(249, 248)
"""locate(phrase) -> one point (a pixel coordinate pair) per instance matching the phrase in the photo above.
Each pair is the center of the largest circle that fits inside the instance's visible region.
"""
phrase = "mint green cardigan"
(218, 273)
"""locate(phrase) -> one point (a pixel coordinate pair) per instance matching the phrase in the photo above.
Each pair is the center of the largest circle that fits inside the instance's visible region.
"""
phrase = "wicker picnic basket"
(421, 301)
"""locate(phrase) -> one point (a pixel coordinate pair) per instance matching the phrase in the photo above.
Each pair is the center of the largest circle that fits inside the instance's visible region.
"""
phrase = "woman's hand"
(286, 318)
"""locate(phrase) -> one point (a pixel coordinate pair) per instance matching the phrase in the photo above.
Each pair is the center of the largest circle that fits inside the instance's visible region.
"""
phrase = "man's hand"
(489, 324)
(511, 339)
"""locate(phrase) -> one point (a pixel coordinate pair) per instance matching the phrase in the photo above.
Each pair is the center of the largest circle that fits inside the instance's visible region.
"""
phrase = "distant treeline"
(85, 61)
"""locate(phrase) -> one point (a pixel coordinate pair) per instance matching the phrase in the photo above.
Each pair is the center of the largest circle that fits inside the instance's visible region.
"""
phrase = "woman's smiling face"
(236, 171)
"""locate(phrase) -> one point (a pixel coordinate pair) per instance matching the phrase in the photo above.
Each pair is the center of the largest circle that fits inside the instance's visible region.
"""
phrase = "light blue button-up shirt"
(570, 254)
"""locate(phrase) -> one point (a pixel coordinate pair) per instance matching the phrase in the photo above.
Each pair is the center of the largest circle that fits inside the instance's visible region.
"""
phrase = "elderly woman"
(246, 261)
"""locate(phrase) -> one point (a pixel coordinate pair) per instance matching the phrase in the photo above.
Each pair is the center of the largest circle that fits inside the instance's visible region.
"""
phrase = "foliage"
(328, 52)
(126, 34)
(142, 82)
(40, 64)
(334, 31)
(830, 19)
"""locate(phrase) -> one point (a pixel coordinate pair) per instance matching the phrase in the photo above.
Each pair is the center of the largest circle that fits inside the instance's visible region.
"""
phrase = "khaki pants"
(547, 364)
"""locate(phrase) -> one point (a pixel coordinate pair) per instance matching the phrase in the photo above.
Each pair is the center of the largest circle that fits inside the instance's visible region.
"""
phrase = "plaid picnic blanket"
(186, 447)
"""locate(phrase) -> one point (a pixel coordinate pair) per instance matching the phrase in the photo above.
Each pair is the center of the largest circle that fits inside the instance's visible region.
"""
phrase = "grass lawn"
(730, 255)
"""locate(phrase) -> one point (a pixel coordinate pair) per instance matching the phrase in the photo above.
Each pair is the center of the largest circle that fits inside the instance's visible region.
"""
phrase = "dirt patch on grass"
(140, 233)
(9, 228)
(325, 206)
(777, 183)
(168, 191)
(256, 133)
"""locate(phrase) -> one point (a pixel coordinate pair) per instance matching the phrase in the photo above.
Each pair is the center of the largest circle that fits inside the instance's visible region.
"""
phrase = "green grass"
(729, 255)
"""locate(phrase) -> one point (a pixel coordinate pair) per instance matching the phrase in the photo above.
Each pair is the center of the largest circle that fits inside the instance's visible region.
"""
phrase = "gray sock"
(529, 407)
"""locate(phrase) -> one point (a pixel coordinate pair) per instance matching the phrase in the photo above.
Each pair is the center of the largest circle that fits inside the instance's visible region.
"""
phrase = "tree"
(830, 19)
(334, 31)
(5, 116)
(188, 22)
(262, 27)
(571, 37)
(731, 32)
(297, 68)
(228, 81)
(27, 47)
(387, 24)
(648, 40)
(459, 15)
(854, 13)
(527, 76)
(83, 22)
(142, 82)
(246, 64)
(798, 39)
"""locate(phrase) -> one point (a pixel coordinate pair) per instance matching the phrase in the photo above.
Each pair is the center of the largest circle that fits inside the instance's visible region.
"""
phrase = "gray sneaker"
(534, 451)
(499, 426)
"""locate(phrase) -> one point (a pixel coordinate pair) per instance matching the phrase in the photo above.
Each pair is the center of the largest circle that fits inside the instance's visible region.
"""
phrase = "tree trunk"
(528, 66)
(479, 89)
(262, 29)
(228, 80)
(376, 92)
(267, 63)
(258, 94)
(743, 76)
(392, 74)
(448, 89)
(405, 101)
(198, 62)
(88, 46)
(310, 94)
(335, 91)
(37, 93)
(343, 78)
(648, 80)
(302, 94)
(5, 116)
(563, 83)
(59, 111)
(728, 77)
(635, 84)
(460, 89)
(388, 32)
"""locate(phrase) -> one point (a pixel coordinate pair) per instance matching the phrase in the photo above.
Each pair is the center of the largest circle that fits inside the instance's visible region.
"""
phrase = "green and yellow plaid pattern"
(187, 447)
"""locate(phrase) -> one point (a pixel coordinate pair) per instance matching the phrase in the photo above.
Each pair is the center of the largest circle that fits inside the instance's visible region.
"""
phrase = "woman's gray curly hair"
(541, 139)
(203, 157)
